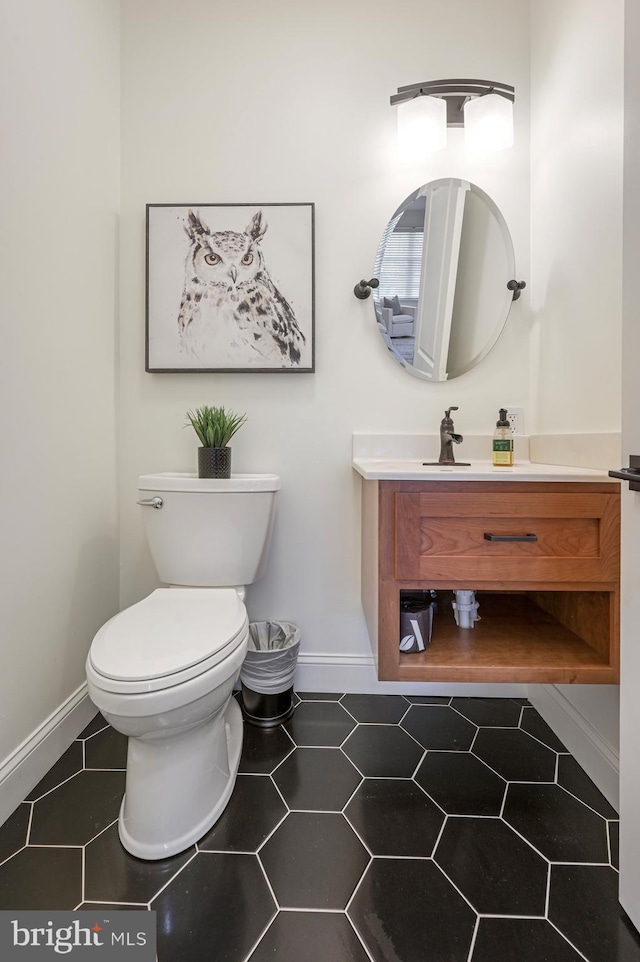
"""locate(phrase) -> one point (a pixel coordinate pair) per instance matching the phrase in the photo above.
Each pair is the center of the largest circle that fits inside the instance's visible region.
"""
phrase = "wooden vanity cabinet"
(549, 601)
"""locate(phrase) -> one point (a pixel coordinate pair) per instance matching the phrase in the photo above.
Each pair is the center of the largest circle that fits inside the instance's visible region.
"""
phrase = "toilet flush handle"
(151, 502)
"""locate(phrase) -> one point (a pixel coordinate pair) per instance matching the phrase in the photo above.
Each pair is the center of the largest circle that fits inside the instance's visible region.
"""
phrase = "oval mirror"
(443, 263)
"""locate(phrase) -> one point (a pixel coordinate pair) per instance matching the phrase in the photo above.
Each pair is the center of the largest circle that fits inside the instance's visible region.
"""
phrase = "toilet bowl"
(162, 672)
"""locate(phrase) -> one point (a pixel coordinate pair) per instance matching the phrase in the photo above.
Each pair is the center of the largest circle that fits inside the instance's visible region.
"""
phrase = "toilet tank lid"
(182, 481)
(168, 631)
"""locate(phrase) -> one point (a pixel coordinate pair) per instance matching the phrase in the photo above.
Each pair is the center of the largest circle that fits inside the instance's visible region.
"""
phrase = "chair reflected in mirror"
(397, 323)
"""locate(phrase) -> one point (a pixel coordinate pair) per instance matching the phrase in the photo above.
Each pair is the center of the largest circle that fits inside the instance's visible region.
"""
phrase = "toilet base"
(166, 809)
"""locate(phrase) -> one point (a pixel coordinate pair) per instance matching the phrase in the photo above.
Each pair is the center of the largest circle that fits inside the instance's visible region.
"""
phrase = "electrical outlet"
(515, 417)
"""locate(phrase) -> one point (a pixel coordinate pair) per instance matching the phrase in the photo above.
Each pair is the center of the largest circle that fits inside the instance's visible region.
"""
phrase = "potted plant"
(215, 427)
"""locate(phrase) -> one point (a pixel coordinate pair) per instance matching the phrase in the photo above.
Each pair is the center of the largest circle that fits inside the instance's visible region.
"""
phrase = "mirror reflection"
(443, 262)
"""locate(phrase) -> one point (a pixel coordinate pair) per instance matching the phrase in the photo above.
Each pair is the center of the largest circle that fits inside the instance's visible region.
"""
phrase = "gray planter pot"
(214, 462)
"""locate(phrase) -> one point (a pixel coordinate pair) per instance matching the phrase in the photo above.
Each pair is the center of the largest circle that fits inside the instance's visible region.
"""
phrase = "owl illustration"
(231, 309)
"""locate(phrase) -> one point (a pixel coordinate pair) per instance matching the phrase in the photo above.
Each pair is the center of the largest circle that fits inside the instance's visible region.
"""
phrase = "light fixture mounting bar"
(452, 88)
(484, 108)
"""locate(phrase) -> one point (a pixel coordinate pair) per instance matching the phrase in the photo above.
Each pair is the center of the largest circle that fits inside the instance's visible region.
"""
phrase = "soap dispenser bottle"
(502, 442)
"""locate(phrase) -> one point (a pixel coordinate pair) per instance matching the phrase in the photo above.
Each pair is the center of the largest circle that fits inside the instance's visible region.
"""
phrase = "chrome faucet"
(448, 438)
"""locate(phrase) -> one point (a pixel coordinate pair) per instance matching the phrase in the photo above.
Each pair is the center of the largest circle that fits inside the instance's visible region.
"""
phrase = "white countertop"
(414, 469)
(402, 457)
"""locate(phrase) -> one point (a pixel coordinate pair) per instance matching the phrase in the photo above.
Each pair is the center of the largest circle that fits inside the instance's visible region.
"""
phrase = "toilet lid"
(171, 630)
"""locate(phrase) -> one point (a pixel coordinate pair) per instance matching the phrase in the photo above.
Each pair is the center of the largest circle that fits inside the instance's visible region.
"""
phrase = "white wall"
(576, 214)
(59, 116)
(290, 102)
(577, 57)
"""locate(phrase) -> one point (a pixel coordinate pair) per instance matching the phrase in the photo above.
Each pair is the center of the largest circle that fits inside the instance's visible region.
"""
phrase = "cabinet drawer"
(510, 536)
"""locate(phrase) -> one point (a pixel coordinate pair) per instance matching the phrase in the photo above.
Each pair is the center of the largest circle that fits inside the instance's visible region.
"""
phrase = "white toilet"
(163, 670)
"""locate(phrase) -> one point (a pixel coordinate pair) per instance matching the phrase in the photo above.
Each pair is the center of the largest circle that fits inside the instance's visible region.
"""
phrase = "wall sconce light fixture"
(484, 108)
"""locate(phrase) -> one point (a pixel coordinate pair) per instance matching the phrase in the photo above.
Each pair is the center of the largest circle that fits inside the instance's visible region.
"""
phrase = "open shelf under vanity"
(540, 636)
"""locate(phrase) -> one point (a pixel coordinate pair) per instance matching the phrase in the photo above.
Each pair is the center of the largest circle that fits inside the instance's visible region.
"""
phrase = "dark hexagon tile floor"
(406, 909)
(556, 823)
(42, 878)
(383, 751)
(97, 723)
(461, 784)
(112, 875)
(369, 828)
(13, 834)
(317, 779)
(316, 723)
(576, 781)
(599, 929)
(216, 908)
(253, 812)
(106, 749)
(312, 936)
(263, 749)
(393, 817)
(489, 712)
(527, 940)
(375, 709)
(68, 765)
(78, 810)
(439, 728)
(515, 755)
(497, 870)
(314, 861)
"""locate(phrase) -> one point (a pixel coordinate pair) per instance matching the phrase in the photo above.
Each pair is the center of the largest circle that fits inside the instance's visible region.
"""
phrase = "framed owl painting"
(230, 287)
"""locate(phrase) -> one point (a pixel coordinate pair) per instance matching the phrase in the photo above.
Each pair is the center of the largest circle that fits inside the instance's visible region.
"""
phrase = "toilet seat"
(170, 636)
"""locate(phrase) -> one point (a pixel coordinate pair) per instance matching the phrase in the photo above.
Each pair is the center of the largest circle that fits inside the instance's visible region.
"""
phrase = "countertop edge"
(383, 469)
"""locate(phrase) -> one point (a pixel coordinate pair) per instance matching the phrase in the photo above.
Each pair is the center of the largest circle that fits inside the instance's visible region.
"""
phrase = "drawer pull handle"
(510, 537)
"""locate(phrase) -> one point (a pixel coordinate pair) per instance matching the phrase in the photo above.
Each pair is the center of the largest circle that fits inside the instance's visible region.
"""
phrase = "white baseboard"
(599, 759)
(332, 672)
(23, 768)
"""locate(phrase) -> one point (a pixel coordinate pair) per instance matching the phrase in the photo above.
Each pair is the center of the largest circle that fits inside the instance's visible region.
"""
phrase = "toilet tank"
(209, 532)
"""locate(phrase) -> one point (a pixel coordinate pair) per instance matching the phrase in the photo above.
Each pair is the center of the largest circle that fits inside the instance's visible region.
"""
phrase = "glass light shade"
(488, 123)
(422, 125)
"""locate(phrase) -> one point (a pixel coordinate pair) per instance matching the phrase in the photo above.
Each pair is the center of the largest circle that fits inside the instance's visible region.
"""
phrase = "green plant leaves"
(215, 426)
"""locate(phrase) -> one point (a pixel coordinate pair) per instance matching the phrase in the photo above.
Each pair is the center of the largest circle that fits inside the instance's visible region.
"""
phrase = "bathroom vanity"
(540, 546)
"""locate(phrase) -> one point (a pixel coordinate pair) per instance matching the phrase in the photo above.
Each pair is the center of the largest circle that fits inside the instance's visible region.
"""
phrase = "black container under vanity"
(214, 462)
